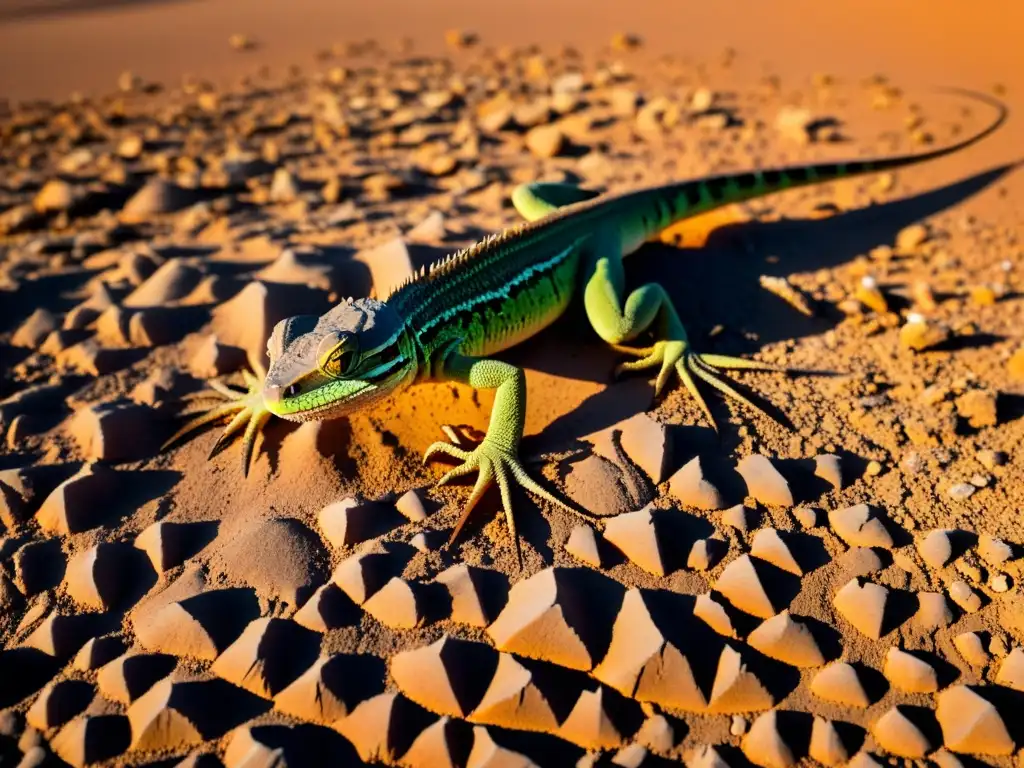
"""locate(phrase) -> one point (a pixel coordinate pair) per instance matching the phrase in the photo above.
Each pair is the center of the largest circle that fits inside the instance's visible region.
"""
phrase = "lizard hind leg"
(650, 308)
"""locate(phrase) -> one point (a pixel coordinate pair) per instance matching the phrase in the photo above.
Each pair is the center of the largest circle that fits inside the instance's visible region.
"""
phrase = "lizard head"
(321, 368)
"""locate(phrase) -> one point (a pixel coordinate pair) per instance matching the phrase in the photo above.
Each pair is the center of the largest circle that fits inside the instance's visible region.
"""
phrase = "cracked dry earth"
(836, 585)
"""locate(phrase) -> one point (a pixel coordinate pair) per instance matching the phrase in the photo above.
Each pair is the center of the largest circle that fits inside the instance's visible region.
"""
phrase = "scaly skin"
(446, 322)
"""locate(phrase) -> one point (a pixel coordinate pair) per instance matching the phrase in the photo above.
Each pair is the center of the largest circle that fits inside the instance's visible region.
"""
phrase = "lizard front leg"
(247, 409)
(649, 307)
(496, 459)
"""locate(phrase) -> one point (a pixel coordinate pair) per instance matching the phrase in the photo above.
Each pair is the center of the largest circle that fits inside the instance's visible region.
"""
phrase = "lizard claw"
(247, 410)
(669, 356)
(494, 463)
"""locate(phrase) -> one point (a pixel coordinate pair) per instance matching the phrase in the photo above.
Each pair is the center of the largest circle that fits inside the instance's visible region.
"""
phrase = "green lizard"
(447, 322)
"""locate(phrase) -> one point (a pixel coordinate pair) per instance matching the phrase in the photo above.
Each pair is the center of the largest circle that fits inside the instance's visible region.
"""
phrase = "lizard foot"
(669, 356)
(247, 409)
(494, 463)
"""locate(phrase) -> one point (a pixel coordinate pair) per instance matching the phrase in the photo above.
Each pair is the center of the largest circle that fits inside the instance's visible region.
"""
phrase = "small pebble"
(961, 491)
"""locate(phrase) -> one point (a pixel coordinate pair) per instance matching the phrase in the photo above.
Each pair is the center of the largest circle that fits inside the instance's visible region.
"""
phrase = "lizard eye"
(338, 354)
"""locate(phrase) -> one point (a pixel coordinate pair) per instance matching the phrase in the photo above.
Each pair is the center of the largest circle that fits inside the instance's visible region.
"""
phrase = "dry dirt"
(834, 582)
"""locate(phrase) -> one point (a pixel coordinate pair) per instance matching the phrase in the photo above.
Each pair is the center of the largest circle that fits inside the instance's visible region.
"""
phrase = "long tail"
(661, 207)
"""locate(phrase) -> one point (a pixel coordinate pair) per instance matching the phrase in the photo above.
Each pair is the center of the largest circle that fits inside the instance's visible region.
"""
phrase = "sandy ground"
(834, 582)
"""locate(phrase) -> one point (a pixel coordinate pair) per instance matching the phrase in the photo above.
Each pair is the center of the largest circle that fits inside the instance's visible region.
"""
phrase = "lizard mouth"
(328, 400)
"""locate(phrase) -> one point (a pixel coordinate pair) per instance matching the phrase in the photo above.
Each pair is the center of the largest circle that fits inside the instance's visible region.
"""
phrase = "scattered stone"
(78, 503)
(839, 682)
(116, 431)
(582, 544)
(58, 702)
(268, 656)
(399, 604)
(736, 688)
(994, 550)
(640, 663)
(350, 521)
(863, 603)
(967, 599)
(826, 746)
(828, 467)
(549, 616)
(979, 408)
(933, 611)
(157, 197)
(971, 723)
(918, 334)
(896, 733)
(469, 598)
(910, 238)
(636, 535)
(362, 575)
(705, 554)
(961, 491)
(689, 486)
(35, 329)
(91, 739)
(910, 673)
(784, 638)
(737, 517)
(448, 676)
(545, 141)
(376, 726)
(514, 700)
(806, 516)
(1011, 670)
(713, 613)
(971, 649)
(935, 548)
(769, 545)
(764, 482)
(174, 280)
(97, 652)
(741, 584)
(128, 677)
(765, 744)
(410, 505)
(860, 526)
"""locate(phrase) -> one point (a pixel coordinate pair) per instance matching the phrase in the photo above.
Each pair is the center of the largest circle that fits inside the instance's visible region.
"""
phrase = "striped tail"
(664, 206)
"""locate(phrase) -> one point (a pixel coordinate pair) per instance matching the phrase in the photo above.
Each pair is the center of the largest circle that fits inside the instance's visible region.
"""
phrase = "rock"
(56, 195)
(330, 689)
(909, 238)
(994, 550)
(978, 407)
(545, 141)
(736, 688)
(78, 503)
(636, 535)
(399, 604)
(936, 549)
(390, 265)
(91, 739)
(741, 584)
(910, 673)
(582, 544)
(449, 677)
(35, 329)
(361, 575)
(128, 677)
(172, 281)
(1011, 670)
(350, 521)
(376, 726)
(860, 526)
(971, 723)
(640, 662)
(933, 611)
(826, 746)
(269, 655)
(116, 431)
(58, 702)
(691, 489)
(769, 545)
(589, 724)
(283, 187)
(737, 517)
(764, 482)
(471, 601)
(828, 467)
(897, 733)
(157, 197)
(553, 616)
(966, 598)
(788, 640)
(971, 649)
(961, 491)
(839, 682)
(863, 604)
(765, 744)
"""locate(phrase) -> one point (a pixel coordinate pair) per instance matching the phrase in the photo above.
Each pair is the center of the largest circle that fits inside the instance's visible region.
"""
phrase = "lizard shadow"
(720, 285)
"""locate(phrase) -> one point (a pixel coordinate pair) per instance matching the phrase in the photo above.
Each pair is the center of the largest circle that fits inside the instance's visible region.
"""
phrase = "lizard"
(447, 322)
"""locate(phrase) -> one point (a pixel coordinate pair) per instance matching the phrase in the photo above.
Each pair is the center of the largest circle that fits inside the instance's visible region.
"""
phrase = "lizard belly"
(518, 311)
